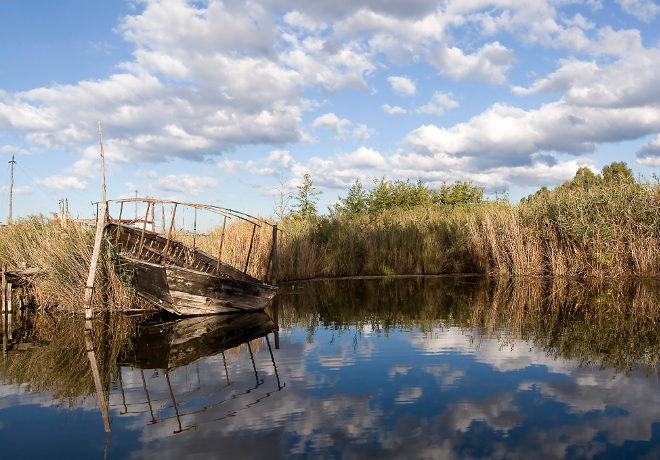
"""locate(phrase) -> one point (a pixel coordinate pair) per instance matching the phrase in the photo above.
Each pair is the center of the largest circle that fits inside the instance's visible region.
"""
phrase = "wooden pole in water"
(10, 313)
(98, 239)
(174, 404)
(272, 358)
(96, 375)
(224, 360)
(276, 317)
(11, 189)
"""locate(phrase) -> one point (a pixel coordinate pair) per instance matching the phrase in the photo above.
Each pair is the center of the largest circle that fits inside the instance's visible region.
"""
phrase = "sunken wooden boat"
(184, 280)
(168, 343)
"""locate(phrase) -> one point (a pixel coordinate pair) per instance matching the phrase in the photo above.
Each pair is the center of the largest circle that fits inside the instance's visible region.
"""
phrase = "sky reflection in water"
(402, 368)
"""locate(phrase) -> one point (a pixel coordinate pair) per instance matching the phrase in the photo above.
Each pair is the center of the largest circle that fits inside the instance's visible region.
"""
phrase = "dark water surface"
(393, 368)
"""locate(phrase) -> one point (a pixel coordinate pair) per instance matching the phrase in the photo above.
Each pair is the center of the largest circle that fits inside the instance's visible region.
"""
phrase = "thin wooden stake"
(273, 259)
(169, 236)
(10, 313)
(121, 211)
(144, 228)
(153, 217)
(195, 231)
(103, 198)
(5, 342)
(222, 241)
(98, 240)
(11, 189)
(247, 260)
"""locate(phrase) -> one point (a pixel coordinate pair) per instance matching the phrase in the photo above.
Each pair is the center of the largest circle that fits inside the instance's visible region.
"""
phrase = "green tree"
(585, 179)
(618, 172)
(307, 198)
(461, 193)
(355, 202)
(399, 194)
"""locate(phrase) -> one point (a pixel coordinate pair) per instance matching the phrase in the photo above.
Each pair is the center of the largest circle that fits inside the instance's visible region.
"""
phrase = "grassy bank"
(611, 231)
(63, 253)
(579, 229)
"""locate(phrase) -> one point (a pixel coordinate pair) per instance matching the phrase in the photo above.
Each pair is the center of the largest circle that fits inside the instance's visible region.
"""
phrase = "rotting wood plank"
(98, 240)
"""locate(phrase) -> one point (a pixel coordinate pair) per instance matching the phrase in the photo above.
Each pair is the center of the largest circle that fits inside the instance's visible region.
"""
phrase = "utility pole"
(11, 188)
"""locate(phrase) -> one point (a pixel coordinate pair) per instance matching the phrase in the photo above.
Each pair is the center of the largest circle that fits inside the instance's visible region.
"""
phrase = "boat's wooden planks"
(179, 254)
(187, 292)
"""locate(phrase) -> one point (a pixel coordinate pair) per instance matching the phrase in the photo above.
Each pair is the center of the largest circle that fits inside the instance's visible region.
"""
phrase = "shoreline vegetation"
(596, 225)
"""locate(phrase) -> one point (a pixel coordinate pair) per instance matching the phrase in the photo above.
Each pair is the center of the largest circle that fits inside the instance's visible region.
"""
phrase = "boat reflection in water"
(181, 389)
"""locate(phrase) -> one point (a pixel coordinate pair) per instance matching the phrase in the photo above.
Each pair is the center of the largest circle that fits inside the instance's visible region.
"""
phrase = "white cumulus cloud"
(402, 85)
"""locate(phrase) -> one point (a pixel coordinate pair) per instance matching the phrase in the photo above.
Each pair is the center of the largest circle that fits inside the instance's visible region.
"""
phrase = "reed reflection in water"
(421, 367)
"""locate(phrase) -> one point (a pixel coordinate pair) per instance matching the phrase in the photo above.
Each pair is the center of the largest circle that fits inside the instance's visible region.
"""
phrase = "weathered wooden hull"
(184, 280)
(183, 291)
(153, 247)
(168, 344)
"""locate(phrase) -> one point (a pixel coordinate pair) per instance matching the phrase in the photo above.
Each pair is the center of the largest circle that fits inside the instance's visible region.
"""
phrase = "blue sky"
(229, 102)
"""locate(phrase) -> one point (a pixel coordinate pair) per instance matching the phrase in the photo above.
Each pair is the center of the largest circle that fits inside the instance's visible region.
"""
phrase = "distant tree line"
(404, 195)
(385, 195)
(616, 173)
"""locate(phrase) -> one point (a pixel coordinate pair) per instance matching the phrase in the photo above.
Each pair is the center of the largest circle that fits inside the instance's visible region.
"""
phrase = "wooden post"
(103, 198)
(222, 241)
(195, 231)
(162, 209)
(169, 236)
(5, 343)
(98, 240)
(247, 260)
(11, 189)
(273, 259)
(10, 313)
(144, 228)
(60, 214)
(153, 217)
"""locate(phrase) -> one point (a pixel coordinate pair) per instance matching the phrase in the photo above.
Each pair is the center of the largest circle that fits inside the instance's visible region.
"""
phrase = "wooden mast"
(98, 239)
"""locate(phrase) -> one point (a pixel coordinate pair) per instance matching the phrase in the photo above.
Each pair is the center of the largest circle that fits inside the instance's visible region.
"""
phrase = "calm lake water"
(388, 368)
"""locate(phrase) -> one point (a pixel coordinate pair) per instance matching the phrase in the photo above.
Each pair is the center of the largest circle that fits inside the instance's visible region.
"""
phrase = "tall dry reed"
(63, 253)
(608, 231)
